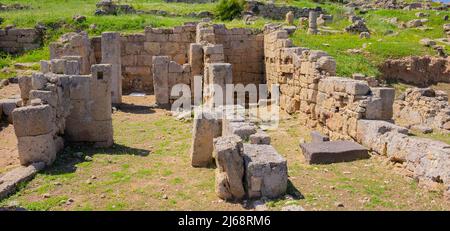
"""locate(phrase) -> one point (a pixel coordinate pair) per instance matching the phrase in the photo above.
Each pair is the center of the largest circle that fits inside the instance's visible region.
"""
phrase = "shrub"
(227, 10)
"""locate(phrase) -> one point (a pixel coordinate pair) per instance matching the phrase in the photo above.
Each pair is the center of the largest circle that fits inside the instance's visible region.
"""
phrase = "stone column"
(312, 27)
(111, 55)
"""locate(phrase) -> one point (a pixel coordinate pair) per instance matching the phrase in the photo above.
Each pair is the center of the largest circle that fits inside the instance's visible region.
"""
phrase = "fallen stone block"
(260, 137)
(333, 152)
(206, 128)
(266, 171)
(10, 180)
(318, 138)
(32, 120)
(230, 167)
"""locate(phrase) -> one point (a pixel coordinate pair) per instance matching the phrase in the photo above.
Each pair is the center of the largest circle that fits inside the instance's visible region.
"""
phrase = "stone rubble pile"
(421, 108)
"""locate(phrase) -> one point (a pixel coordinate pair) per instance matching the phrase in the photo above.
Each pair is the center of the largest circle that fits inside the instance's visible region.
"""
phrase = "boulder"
(260, 137)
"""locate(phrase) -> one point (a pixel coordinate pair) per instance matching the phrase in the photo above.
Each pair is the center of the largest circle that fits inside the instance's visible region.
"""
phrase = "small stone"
(46, 195)
(88, 158)
(88, 181)
(93, 177)
(102, 196)
(165, 197)
(339, 204)
(293, 208)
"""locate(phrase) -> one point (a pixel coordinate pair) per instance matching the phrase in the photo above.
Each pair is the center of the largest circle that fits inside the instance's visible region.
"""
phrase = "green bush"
(227, 10)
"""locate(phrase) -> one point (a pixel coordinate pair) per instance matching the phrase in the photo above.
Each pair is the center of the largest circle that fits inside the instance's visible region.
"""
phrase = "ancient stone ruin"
(60, 105)
(15, 40)
(70, 99)
(420, 71)
(423, 109)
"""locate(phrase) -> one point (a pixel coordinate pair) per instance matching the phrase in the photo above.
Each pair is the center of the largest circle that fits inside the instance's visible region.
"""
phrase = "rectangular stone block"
(34, 149)
(58, 66)
(266, 171)
(32, 120)
(206, 128)
(230, 167)
(333, 152)
(260, 137)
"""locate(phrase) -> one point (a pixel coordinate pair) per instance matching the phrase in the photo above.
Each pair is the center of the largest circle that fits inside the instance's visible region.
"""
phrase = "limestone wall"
(420, 71)
(344, 108)
(59, 102)
(242, 47)
(138, 50)
(16, 40)
(75, 44)
(424, 159)
(306, 83)
(423, 109)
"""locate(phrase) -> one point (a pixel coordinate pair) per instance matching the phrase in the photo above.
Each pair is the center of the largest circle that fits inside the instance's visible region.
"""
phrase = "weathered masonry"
(189, 46)
(86, 75)
(59, 105)
(16, 40)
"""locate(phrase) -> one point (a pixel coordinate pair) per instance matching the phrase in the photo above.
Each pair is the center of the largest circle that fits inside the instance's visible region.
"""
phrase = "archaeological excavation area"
(146, 121)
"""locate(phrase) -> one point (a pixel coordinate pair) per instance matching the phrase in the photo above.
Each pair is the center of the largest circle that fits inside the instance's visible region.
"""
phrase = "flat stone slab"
(10, 180)
(333, 152)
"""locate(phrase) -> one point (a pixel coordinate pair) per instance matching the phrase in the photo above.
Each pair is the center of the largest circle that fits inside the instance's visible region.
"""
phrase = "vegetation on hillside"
(57, 17)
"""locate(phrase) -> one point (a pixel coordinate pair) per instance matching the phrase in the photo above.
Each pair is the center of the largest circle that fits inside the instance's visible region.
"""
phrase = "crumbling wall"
(306, 84)
(138, 50)
(420, 71)
(167, 74)
(425, 159)
(242, 47)
(75, 44)
(423, 109)
(61, 103)
(17, 40)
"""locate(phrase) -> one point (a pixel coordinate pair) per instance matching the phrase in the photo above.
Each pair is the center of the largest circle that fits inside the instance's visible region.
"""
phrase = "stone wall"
(330, 104)
(16, 40)
(349, 109)
(59, 102)
(277, 12)
(138, 50)
(166, 75)
(423, 109)
(420, 71)
(242, 47)
(424, 159)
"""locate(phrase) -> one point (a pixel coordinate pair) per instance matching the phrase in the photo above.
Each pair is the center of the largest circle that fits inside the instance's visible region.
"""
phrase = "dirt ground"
(8, 141)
